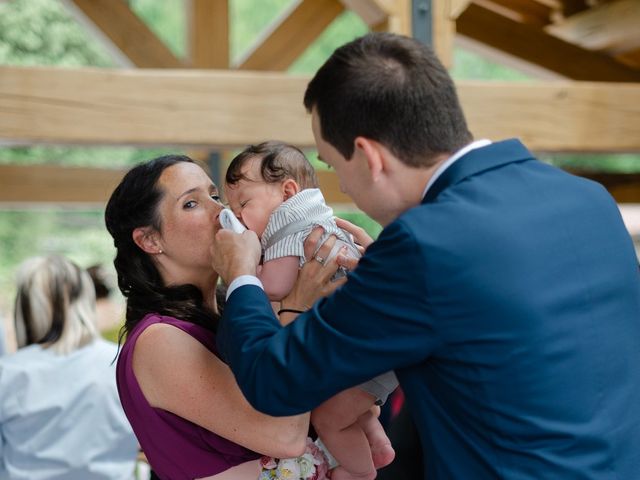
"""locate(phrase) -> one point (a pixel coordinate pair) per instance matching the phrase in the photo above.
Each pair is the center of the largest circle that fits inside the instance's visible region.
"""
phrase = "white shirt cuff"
(241, 281)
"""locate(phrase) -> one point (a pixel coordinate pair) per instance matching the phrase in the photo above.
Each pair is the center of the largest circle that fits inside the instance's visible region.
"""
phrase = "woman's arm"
(179, 374)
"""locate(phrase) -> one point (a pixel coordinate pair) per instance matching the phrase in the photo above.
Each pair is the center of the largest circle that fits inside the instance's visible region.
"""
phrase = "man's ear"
(374, 154)
(289, 188)
(147, 239)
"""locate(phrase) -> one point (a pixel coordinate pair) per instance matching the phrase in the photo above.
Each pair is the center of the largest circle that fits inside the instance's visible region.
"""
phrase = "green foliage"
(345, 28)
(167, 19)
(248, 19)
(41, 32)
(77, 234)
(99, 157)
(613, 163)
(467, 66)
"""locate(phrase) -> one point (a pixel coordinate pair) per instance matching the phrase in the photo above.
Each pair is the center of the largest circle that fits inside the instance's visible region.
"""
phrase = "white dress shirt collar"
(447, 163)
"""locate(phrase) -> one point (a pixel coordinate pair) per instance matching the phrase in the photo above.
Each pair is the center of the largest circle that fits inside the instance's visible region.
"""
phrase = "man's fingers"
(349, 263)
(360, 235)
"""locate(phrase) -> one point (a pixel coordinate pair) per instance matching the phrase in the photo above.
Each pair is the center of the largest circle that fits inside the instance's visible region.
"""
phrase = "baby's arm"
(278, 276)
(347, 424)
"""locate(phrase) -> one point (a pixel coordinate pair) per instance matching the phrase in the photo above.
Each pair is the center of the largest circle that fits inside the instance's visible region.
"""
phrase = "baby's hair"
(278, 161)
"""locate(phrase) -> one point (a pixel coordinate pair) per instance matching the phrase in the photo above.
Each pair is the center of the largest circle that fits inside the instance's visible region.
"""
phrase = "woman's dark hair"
(134, 203)
(392, 89)
(278, 161)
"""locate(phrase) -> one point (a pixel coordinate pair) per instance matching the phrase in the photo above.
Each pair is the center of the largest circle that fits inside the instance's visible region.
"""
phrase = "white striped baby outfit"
(291, 223)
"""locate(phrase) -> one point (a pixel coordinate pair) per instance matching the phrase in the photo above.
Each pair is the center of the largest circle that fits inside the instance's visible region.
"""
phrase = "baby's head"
(261, 177)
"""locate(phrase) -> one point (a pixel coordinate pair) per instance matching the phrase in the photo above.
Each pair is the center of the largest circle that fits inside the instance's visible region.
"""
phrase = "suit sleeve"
(378, 321)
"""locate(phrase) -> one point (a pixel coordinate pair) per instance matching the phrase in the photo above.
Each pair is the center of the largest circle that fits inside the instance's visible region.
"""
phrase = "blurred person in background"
(109, 312)
(60, 417)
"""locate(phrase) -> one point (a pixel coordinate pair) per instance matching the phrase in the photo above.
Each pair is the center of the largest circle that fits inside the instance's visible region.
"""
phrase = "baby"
(273, 190)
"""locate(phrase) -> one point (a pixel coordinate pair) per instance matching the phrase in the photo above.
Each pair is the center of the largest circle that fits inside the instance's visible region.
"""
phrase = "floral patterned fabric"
(311, 465)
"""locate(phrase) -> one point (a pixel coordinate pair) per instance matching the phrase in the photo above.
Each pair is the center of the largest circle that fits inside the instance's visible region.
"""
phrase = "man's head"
(391, 89)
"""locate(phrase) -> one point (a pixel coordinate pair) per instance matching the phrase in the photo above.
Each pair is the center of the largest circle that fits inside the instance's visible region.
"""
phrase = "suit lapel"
(476, 161)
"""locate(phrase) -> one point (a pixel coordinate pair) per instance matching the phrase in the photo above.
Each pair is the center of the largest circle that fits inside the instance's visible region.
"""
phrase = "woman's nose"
(216, 207)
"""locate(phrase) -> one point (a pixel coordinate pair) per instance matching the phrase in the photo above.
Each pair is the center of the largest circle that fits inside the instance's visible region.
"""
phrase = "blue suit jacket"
(508, 303)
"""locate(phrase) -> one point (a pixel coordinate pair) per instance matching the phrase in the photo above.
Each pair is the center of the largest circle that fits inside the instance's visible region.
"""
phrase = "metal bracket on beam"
(422, 21)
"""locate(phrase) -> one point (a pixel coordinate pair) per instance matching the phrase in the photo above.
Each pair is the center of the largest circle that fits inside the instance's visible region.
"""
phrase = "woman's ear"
(289, 188)
(373, 153)
(147, 239)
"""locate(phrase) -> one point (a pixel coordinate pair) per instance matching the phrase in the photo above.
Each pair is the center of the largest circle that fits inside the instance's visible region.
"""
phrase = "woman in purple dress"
(182, 400)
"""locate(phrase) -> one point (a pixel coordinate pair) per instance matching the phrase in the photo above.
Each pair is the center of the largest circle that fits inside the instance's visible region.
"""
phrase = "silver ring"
(319, 259)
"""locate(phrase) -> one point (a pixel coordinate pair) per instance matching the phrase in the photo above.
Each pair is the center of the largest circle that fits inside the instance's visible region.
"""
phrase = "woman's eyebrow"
(187, 192)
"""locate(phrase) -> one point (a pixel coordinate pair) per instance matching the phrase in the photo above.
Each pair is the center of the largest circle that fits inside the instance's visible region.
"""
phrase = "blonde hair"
(55, 305)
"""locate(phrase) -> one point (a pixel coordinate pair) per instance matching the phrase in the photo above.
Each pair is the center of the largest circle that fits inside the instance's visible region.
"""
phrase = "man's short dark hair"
(278, 161)
(391, 89)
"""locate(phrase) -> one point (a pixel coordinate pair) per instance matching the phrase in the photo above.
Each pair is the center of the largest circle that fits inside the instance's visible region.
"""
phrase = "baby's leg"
(382, 452)
(336, 422)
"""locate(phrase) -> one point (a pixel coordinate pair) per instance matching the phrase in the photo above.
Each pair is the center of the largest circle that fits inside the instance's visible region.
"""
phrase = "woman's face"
(188, 212)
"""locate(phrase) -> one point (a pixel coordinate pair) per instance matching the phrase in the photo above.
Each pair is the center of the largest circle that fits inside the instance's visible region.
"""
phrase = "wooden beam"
(631, 58)
(535, 46)
(209, 33)
(372, 12)
(399, 16)
(613, 27)
(444, 31)
(291, 34)
(228, 109)
(330, 186)
(624, 187)
(128, 33)
(456, 7)
(571, 7)
(556, 116)
(58, 184)
(51, 183)
(523, 11)
(151, 107)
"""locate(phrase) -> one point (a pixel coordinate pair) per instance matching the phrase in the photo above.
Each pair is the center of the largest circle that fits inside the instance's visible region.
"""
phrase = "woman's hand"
(360, 236)
(314, 279)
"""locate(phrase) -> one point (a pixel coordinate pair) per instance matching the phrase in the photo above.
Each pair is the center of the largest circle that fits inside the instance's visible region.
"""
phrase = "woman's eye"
(190, 204)
(215, 197)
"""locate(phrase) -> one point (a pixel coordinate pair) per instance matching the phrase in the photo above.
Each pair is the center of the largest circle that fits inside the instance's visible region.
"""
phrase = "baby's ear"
(289, 188)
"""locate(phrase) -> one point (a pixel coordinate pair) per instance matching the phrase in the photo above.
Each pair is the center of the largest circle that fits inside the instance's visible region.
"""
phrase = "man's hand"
(360, 236)
(235, 254)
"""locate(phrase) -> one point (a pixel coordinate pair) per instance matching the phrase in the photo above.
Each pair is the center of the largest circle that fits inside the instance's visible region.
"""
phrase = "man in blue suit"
(504, 292)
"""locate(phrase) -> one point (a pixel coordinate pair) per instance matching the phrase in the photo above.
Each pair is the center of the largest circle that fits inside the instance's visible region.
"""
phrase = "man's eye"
(190, 204)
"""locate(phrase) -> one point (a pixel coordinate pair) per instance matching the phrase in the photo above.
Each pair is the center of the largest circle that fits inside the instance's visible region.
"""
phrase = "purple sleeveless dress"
(176, 448)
